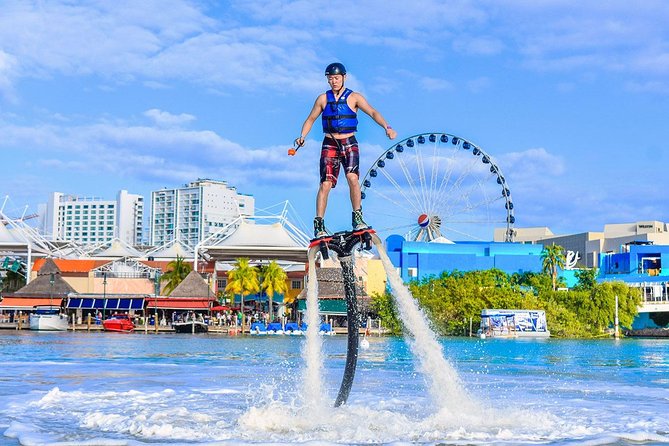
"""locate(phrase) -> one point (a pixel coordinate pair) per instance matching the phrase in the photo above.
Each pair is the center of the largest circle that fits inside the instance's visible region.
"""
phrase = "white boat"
(48, 318)
(513, 324)
(190, 326)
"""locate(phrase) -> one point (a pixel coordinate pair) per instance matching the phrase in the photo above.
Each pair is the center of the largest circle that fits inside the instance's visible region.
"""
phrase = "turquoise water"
(114, 389)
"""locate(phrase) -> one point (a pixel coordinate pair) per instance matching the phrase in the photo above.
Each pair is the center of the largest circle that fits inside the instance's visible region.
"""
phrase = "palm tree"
(243, 280)
(273, 281)
(552, 258)
(177, 270)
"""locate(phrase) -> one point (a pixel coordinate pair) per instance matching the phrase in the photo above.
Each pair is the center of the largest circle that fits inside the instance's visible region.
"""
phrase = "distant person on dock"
(338, 109)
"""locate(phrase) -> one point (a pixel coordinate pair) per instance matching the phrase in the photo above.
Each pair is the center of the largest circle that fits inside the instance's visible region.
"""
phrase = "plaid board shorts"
(336, 152)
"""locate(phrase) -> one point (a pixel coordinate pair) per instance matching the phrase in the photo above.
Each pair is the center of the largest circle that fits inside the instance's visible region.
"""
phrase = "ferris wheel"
(437, 187)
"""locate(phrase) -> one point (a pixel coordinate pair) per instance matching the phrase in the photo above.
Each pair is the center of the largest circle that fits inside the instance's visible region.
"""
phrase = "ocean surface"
(146, 389)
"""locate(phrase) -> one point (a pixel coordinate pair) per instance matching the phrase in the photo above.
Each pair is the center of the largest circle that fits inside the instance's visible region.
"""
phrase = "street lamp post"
(155, 300)
(209, 295)
(52, 279)
(104, 295)
(156, 285)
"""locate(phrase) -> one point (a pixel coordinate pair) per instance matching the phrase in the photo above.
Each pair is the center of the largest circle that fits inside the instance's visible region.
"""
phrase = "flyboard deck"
(343, 242)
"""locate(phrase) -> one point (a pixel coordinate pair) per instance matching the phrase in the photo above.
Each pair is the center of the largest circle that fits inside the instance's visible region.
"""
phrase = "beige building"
(587, 246)
(369, 272)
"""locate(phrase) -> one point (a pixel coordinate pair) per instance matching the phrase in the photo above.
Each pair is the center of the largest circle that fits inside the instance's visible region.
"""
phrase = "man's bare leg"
(354, 190)
(322, 198)
(356, 202)
(321, 205)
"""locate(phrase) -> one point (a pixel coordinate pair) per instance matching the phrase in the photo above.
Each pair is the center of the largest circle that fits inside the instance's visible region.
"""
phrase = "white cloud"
(272, 43)
(147, 153)
(478, 45)
(428, 83)
(154, 41)
(661, 87)
(546, 192)
(378, 16)
(7, 75)
(435, 84)
(166, 119)
(654, 60)
(479, 84)
(533, 163)
(602, 36)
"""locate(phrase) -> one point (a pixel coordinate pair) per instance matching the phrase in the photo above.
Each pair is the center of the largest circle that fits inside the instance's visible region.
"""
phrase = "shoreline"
(230, 331)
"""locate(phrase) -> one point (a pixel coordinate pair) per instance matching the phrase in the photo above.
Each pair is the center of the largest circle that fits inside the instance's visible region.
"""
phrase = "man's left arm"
(363, 105)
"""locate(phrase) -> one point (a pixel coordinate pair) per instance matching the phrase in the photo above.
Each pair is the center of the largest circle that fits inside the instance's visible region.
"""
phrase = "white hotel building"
(91, 221)
(190, 213)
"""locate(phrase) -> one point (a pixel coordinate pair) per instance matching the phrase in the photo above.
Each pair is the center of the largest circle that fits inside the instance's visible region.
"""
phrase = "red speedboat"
(118, 322)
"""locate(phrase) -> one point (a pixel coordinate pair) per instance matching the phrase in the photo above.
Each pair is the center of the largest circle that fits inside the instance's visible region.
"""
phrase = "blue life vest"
(337, 116)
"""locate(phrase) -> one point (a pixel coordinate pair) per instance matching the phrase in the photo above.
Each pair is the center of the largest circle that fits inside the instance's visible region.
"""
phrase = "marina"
(48, 318)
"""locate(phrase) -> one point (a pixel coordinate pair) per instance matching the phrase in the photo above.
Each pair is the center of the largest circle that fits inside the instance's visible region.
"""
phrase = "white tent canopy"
(171, 250)
(249, 234)
(259, 241)
(117, 249)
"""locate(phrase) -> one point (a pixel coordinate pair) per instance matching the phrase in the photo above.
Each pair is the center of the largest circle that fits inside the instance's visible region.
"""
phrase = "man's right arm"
(316, 111)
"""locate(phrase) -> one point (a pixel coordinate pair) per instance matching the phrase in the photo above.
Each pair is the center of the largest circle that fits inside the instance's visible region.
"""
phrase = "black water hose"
(353, 316)
(343, 243)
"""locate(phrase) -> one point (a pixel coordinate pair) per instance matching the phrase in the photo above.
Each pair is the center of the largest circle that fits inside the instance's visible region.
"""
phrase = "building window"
(413, 272)
(221, 284)
(296, 284)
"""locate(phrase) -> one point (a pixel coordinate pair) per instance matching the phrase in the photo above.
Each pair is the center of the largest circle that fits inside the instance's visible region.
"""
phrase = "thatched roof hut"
(193, 285)
(41, 286)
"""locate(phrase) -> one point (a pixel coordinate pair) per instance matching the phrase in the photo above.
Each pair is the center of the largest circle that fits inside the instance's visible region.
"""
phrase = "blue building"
(640, 265)
(416, 260)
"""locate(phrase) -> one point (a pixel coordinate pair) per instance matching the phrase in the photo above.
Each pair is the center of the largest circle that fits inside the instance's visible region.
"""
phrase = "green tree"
(223, 297)
(13, 281)
(243, 280)
(629, 300)
(587, 279)
(383, 306)
(531, 281)
(452, 298)
(273, 281)
(177, 270)
(552, 258)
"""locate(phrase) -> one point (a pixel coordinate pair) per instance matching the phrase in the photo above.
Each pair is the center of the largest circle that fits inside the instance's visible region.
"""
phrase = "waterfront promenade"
(150, 329)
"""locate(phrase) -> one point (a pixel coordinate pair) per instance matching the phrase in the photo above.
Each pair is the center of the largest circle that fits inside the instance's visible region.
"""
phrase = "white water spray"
(312, 351)
(445, 386)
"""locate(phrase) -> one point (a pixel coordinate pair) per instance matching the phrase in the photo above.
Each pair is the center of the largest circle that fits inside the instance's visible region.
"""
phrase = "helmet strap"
(342, 89)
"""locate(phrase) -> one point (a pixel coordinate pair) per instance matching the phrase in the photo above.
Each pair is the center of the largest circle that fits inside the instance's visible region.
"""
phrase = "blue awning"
(110, 303)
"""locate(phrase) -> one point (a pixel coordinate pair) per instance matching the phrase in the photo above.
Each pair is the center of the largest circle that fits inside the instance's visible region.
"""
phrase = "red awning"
(27, 303)
(220, 308)
(176, 303)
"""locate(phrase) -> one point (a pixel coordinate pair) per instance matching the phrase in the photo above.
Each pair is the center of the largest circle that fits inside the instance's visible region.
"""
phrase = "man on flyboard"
(338, 108)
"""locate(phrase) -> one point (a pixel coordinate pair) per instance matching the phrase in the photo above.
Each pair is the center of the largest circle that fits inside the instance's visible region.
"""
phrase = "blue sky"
(570, 98)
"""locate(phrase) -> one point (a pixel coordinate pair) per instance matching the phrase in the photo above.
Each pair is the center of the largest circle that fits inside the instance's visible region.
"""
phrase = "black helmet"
(335, 68)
